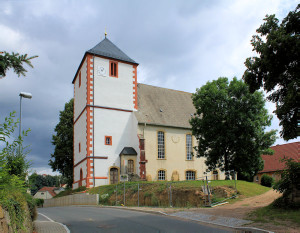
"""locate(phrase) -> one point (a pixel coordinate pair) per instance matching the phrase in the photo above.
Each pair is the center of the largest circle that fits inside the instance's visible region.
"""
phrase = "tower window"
(113, 69)
(108, 140)
(79, 79)
(79, 147)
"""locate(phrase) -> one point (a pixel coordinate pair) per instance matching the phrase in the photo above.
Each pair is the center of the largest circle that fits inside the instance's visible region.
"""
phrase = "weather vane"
(105, 33)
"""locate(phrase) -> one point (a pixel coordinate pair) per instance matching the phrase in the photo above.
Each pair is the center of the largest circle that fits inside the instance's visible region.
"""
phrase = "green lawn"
(277, 216)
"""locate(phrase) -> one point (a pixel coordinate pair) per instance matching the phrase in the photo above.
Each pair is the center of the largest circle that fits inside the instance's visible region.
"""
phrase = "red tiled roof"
(273, 163)
(48, 189)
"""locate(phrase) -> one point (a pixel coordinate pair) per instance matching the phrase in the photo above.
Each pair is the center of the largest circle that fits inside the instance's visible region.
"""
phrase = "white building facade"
(104, 123)
(122, 127)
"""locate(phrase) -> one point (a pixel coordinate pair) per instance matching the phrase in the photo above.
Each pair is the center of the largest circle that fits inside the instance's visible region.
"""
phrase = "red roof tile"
(273, 163)
(48, 189)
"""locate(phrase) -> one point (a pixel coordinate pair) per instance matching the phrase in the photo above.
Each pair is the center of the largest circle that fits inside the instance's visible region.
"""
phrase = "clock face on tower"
(101, 71)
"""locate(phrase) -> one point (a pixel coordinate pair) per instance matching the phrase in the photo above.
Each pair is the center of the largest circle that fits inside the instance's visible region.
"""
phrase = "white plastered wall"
(110, 91)
(122, 126)
(77, 173)
(80, 137)
(80, 92)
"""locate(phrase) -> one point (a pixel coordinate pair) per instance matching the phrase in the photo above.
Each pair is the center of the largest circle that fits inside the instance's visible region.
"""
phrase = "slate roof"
(48, 189)
(165, 107)
(272, 162)
(107, 49)
(128, 151)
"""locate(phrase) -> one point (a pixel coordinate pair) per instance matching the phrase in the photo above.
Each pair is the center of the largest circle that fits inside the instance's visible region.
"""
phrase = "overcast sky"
(178, 44)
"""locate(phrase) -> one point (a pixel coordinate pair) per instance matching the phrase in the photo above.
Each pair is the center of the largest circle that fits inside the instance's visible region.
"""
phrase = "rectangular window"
(190, 175)
(108, 140)
(79, 79)
(161, 175)
(130, 168)
(161, 144)
(113, 69)
(189, 147)
(79, 147)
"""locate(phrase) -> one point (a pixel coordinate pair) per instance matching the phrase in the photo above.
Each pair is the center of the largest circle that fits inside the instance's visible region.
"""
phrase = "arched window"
(189, 147)
(81, 178)
(161, 144)
(161, 175)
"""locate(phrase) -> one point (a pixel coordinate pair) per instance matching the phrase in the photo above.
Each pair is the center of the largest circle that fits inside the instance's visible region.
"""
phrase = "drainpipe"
(94, 121)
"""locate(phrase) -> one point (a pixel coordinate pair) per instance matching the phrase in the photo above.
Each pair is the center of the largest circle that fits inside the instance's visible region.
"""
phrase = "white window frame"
(161, 175)
(189, 147)
(160, 144)
(190, 175)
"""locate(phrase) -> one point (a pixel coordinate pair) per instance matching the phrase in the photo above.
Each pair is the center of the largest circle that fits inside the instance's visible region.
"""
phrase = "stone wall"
(76, 199)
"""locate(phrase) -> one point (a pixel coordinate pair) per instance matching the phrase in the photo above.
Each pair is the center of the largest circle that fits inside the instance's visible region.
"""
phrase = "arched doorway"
(114, 175)
(81, 178)
(216, 175)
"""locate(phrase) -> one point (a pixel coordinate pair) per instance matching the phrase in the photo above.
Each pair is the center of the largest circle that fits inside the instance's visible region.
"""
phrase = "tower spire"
(105, 33)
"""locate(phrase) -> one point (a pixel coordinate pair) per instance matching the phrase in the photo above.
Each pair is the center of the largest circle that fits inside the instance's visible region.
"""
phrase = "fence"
(76, 199)
(196, 193)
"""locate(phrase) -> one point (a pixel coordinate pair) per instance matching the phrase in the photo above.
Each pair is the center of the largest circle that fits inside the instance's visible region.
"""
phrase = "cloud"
(178, 44)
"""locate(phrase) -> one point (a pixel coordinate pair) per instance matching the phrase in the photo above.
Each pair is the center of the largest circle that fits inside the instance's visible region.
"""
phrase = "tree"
(37, 181)
(277, 67)
(229, 125)
(63, 142)
(15, 61)
(290, 180)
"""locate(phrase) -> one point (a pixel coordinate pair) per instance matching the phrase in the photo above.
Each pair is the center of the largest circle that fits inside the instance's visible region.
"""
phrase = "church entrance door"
(114, 175)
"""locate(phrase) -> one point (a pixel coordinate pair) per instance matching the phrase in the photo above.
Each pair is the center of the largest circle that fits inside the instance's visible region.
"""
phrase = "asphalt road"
(85, 219)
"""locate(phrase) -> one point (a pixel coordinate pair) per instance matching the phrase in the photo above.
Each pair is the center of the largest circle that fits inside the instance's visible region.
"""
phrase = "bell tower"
(105, 98)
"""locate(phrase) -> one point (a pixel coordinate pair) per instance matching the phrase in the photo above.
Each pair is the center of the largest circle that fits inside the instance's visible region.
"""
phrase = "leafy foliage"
(267, 180)
(12, 182)
(63, 141)
(15, 61)
(277, 67)
(37, 181)
(290, 179)
(229, 125)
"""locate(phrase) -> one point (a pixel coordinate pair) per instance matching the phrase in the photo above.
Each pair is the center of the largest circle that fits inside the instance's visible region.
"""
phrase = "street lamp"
(27, 96)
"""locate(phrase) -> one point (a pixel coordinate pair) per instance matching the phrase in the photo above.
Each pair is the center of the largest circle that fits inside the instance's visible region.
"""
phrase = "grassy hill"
(180, 194)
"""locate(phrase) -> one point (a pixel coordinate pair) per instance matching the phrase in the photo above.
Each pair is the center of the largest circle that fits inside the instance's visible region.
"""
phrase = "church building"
(123, 128)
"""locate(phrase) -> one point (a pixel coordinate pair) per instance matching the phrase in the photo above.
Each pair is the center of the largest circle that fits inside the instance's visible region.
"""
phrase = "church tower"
(105, 128)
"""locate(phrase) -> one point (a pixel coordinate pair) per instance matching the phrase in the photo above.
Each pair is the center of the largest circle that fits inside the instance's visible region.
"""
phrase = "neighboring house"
(272, 163)
(123, 127)
(46, 193)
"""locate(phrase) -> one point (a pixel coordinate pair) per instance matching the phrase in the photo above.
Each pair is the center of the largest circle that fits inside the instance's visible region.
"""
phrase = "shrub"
(31, 202)
(290, 180)
(39, 202)
(267, 180)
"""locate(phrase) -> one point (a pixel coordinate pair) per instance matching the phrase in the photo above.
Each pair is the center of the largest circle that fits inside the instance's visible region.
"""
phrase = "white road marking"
(46, 217)
(66, 228)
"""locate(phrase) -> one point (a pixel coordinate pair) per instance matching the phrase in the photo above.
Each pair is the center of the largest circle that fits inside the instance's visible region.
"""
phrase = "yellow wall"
(175, 153)
(276, 175)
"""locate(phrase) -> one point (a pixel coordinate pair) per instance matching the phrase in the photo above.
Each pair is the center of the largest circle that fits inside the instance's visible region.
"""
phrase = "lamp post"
(27, 96)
